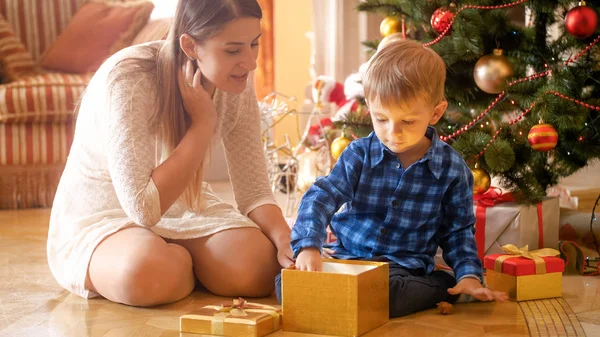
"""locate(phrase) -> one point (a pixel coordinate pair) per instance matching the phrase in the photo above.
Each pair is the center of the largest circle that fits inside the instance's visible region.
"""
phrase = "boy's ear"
(188, 45)
(438, 112)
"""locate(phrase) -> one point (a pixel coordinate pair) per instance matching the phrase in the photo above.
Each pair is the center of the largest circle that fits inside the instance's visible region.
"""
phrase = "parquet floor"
(32, 304)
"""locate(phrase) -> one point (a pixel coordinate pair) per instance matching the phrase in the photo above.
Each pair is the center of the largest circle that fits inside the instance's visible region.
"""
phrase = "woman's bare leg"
(134, 266)
(235, 262)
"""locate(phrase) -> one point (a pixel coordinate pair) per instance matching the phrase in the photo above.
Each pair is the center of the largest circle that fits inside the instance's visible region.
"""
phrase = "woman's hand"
(196, 101)
(285, 256)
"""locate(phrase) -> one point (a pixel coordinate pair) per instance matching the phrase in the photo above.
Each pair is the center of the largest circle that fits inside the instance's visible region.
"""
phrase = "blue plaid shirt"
(392, 212)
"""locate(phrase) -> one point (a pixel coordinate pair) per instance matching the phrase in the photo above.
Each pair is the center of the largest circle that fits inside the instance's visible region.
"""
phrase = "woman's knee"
(245, 281)
(157, 277)
(152, 273)
(251, 274)
(257, 281)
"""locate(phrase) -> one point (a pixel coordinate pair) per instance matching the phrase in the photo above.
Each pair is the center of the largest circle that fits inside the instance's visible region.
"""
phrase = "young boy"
(404, 191)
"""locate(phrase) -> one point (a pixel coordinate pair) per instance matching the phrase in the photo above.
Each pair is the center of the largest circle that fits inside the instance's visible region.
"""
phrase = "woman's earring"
(192, 59)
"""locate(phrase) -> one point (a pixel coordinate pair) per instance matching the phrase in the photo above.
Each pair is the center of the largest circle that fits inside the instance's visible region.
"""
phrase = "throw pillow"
(155, 30)
(96, 31)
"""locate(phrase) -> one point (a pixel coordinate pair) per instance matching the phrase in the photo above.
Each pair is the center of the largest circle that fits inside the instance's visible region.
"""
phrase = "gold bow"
(535, 255)
(238, 308)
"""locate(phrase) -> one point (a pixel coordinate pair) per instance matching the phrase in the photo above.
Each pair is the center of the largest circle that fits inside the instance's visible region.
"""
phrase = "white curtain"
(339, 30)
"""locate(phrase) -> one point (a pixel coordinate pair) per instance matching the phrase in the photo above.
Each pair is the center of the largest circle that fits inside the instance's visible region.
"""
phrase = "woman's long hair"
(201, 19)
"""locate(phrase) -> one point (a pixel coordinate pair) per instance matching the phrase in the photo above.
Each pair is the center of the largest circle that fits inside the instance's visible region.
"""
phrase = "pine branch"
(387, 7)
(475, 33)
(371, 45)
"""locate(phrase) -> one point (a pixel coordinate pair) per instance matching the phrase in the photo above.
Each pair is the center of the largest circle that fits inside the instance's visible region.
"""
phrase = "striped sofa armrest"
(48, 97)
(15, 59)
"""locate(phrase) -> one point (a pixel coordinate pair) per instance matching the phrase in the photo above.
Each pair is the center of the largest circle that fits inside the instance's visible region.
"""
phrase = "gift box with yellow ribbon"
(525, 275)
(237, 319)
(346, 298)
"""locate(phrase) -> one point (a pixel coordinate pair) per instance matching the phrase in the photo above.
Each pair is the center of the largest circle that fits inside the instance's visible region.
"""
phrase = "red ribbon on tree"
(495, 196)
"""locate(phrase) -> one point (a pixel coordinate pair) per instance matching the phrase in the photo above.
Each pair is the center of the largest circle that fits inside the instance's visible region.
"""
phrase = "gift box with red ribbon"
(237, 319)
(501, 221)
(523, 274)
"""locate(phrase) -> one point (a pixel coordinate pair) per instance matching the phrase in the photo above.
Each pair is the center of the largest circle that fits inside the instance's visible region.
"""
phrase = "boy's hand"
(309, 259)
(474, 288)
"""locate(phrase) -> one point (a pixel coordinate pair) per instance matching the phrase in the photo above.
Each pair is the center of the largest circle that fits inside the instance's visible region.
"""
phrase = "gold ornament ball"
(492, 72)
(389, 25)
(338, 145)
(481, 181)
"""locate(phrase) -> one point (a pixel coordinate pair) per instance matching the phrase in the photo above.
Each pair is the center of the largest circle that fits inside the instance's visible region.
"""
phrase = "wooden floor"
(33, 304)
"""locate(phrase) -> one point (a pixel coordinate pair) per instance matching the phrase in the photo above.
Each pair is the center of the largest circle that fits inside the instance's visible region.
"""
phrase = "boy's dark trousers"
(410, 289)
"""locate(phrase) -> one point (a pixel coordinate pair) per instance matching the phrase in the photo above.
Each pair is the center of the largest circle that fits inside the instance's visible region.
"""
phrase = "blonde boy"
(405, 192)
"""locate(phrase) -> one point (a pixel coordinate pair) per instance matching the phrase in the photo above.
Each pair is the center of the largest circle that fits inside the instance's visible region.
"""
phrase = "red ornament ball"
(441, 19)
(581, 22)
(543, 137)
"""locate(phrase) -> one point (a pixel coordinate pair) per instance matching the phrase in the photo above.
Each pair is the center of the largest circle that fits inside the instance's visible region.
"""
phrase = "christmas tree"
(524, 97)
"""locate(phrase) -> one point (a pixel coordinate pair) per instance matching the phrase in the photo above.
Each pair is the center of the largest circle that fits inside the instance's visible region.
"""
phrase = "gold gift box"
(525, 288)
(347, 298)
(212, 320)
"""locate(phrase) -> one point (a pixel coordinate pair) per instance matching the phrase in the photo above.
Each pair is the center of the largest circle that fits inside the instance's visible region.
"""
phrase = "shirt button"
(395, 203)
(383, 231)
(398, 165)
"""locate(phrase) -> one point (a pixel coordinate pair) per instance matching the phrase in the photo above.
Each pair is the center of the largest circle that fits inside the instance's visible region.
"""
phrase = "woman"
(132, 220)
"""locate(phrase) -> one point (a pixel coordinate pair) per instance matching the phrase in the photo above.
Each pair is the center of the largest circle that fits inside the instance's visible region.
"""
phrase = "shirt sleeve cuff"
(470, 269)
(306, 243)
(477, 277)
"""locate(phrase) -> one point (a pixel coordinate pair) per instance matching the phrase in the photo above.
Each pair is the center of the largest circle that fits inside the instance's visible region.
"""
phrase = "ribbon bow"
(493, 196)
(238, 308)
(535, 255)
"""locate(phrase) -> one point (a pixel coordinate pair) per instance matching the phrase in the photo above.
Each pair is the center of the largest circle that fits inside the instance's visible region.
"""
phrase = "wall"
(163, 8)
(292, 20)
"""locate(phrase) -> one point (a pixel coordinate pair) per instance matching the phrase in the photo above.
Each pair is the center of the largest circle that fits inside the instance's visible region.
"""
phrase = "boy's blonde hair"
(402, 71)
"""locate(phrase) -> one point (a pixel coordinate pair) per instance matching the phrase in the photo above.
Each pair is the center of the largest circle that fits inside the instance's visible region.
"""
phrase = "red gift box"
(521, 266)
(525, 275)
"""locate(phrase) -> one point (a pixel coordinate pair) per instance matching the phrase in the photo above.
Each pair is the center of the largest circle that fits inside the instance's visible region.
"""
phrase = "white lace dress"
(107, 186)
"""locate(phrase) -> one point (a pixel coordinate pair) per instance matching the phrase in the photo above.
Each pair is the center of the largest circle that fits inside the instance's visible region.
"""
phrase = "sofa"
(43, 73)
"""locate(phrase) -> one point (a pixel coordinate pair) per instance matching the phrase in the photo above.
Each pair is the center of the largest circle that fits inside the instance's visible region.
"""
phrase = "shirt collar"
(434, 155)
